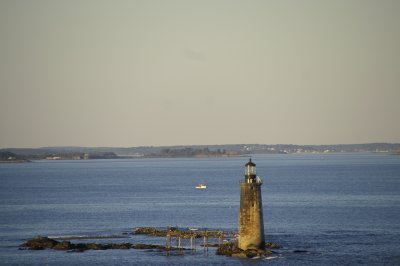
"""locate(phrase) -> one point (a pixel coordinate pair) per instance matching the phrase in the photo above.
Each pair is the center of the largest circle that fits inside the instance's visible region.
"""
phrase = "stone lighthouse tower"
(251, 225)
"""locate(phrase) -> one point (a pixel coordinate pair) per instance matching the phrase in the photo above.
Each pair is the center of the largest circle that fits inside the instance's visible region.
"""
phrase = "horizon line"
(195, 145)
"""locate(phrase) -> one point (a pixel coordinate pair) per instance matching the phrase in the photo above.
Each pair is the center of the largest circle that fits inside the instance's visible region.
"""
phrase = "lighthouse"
(251, 225)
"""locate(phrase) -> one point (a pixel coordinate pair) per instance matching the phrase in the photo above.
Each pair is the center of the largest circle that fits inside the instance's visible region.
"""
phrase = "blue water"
(340, 208)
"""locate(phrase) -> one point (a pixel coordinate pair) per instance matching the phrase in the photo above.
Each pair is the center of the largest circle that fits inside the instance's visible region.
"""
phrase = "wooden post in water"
(205, 242)
(194, 240)
(179, 242)
(168, 243)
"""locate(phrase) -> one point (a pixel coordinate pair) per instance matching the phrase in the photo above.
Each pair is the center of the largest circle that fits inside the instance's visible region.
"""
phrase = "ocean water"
(337, 209)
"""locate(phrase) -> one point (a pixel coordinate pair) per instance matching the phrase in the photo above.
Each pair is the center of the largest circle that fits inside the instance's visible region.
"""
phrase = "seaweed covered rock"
(231, 249)
(64, 245)
(228, 249)
(148, 246)
(122, 246)
(40, 242)
(272, 245)
(151, 231)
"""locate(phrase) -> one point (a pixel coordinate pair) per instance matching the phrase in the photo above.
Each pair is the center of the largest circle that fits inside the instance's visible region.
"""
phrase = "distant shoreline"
(20, 155)
(15, 161)
(183, 157)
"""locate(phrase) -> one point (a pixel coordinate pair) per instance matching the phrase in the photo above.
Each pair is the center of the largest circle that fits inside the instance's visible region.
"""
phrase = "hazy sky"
(132, 73)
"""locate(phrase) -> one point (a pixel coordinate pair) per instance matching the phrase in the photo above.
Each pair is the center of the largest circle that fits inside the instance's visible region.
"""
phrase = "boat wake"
(273, 257)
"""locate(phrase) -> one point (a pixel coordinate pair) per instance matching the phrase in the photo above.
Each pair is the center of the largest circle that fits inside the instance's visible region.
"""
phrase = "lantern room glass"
(250, 170)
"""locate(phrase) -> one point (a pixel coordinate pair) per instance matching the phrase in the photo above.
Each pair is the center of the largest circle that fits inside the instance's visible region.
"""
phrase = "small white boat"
(201, 186)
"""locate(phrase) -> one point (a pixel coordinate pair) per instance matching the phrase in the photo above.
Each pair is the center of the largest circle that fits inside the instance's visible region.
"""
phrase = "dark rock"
(272, 245)
(80, 246)
(300, 251)
(65, 245)
(92, 246)
(231, 249)
(39, 243)
(228, 249)
(251, 253)
(151, 231)
(121, 246)
(150, 246)
(36, 248)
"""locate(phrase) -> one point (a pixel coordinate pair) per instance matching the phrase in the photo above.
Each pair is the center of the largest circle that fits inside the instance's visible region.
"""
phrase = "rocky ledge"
(226, 249)
(230, 249)
(40, 243)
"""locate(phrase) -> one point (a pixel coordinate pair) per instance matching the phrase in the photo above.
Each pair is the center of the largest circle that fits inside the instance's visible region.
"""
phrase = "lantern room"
(250, 170)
